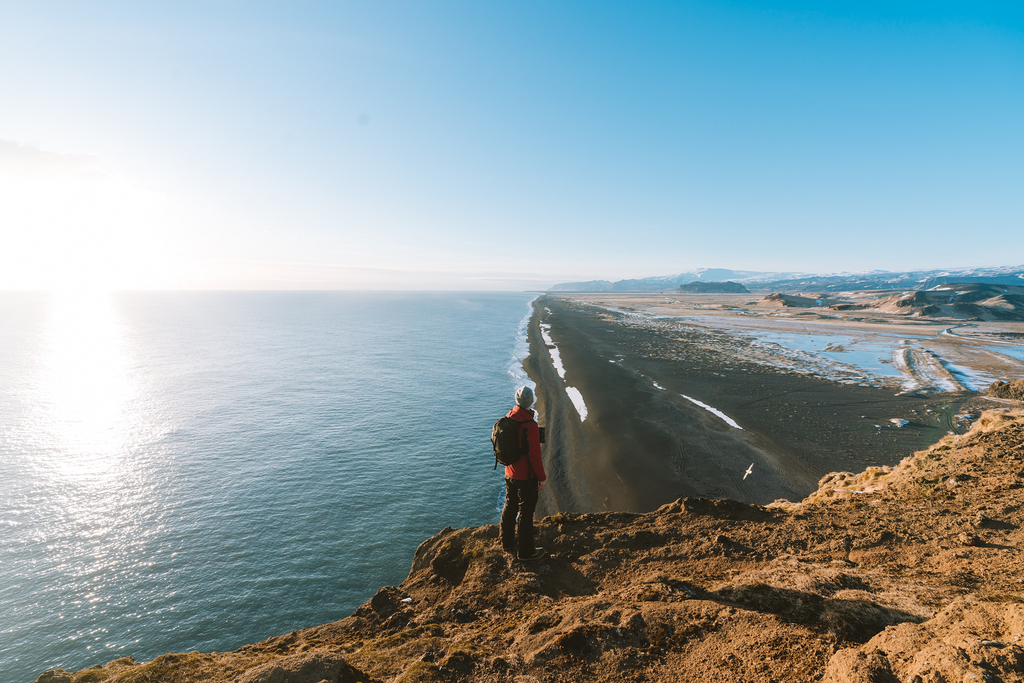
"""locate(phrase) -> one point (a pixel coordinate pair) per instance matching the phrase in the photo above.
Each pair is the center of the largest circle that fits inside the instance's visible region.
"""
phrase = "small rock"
(899, 422)
(967, 539)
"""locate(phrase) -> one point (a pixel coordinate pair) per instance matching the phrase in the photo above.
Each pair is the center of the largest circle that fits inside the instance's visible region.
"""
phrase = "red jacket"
(531, 467)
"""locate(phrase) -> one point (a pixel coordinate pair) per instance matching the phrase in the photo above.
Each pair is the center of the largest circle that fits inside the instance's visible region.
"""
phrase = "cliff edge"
(909, 573)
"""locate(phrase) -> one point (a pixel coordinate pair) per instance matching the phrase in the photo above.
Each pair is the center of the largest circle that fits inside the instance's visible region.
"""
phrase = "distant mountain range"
(805, 282)
(701, 287)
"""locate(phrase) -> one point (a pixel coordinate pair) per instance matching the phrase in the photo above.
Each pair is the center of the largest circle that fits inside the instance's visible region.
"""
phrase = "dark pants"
(521, 500)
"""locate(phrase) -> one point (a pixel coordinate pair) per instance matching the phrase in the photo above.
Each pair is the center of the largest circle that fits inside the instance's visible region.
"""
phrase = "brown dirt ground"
(909, 573)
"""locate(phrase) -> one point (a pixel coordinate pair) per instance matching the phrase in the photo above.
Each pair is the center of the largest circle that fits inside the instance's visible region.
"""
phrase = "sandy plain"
(684, 394)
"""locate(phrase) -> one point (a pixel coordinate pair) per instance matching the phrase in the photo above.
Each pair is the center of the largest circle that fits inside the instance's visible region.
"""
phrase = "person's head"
(524, 397)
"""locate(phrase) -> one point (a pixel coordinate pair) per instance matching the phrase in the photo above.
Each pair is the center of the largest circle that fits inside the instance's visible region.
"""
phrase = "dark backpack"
(510, 442)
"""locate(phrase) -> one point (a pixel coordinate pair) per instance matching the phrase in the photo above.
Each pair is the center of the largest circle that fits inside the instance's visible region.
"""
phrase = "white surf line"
(521, 349)
(556, 358)
(658, 386)
(577, 401)
(731, 422)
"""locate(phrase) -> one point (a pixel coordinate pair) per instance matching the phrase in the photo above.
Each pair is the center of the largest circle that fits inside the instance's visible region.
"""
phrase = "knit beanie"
(524, 397)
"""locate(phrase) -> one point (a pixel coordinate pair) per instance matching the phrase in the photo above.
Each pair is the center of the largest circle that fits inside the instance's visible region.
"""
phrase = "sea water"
(199, 471)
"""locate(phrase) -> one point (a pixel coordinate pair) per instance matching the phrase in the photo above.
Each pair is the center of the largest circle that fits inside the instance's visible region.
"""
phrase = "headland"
(909, 573)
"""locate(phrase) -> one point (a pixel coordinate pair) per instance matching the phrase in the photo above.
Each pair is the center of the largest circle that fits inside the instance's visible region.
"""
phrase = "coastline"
(669, 417)
(869, 578)
(824, 574)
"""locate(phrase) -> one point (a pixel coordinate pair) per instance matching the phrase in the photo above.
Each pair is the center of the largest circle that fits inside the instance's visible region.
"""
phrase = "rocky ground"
(1011, 390)
(910, 573)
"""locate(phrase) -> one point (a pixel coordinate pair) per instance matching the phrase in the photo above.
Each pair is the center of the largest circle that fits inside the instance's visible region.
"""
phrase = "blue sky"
(456, 145)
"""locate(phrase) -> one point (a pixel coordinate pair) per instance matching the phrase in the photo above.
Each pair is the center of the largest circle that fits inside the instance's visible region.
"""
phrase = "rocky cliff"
(911, 573)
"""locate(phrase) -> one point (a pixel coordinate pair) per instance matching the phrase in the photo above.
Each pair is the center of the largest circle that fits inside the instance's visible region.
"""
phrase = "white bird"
(749, 470)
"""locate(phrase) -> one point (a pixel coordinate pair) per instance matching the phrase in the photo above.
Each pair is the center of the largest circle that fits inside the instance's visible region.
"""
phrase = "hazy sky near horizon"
(458, 145)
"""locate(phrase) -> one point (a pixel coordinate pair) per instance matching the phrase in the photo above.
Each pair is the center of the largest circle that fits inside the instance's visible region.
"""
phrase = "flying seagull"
(749, 470)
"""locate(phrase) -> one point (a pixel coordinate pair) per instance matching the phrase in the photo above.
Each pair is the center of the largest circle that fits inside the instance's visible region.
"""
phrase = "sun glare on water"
(85, 387)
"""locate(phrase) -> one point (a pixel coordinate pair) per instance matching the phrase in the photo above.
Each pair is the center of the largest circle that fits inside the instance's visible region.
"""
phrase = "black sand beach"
(642, 446)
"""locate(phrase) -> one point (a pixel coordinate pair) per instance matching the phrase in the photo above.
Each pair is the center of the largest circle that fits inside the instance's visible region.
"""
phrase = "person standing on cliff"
(523, 481)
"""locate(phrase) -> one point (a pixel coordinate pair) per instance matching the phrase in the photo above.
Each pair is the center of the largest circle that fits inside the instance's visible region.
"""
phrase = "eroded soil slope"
(912, 573)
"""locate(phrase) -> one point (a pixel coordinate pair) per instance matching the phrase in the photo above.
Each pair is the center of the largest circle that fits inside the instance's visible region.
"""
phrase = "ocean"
(199, 471)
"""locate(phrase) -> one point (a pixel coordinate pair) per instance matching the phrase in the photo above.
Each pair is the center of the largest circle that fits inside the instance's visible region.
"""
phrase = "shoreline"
(669, 417)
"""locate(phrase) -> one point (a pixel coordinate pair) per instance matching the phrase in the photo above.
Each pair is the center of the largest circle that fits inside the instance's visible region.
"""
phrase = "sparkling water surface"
(186, 471)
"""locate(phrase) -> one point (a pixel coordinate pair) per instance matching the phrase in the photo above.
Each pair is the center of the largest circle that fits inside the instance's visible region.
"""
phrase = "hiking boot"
(537, 554)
